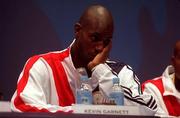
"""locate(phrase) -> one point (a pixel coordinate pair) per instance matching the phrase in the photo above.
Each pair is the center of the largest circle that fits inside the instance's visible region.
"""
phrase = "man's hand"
(100, 57)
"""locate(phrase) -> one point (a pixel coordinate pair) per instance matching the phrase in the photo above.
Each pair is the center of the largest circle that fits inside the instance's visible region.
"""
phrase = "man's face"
(176, 61)
(92, 40)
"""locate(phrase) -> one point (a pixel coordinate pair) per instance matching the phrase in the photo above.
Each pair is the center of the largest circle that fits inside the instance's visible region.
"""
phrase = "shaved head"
(98, 15)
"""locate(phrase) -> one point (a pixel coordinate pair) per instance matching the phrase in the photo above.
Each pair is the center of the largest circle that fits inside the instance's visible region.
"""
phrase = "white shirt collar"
(169, 87)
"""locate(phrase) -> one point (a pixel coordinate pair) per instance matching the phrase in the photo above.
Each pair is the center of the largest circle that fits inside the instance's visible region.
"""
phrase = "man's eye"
(106, 41)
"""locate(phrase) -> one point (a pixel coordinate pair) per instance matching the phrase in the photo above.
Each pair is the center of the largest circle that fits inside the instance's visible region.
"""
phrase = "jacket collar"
(167, 79)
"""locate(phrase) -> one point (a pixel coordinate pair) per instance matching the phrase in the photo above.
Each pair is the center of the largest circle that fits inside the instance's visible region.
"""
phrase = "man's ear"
(77, 28)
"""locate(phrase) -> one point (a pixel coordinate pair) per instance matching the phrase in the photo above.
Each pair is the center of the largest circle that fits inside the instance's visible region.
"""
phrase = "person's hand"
(100, 57)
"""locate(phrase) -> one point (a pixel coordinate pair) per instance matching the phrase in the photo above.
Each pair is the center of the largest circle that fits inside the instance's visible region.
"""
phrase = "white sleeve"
(132, 89)
(33, 90)
(102, 73)
(151, 89)
(129, 83)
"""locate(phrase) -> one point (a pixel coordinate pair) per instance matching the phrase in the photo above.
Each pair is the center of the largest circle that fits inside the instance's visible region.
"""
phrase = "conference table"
(66, 115)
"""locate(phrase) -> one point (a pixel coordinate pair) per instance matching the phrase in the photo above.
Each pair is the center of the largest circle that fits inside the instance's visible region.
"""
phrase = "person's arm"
(132, 89)
(128, 82)
(151, 89)
(34, 89)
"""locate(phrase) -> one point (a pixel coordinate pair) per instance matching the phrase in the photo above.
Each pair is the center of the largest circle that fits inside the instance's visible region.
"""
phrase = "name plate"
(5, 106)
(112, 110)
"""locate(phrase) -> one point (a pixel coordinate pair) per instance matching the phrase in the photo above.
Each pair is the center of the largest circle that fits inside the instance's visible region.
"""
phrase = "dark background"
(145, 32)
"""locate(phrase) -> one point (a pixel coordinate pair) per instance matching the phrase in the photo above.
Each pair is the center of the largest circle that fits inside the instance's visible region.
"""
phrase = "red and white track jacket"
(47, 84)
(165, 93)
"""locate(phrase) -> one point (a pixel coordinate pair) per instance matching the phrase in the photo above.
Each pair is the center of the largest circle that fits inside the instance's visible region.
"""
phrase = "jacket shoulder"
(115, 65)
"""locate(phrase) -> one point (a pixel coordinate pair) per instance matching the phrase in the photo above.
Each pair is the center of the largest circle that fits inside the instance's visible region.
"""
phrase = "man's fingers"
(107, 49)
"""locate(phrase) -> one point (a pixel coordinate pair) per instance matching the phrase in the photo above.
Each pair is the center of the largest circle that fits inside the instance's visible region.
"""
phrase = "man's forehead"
(100, 28)
(101, 33)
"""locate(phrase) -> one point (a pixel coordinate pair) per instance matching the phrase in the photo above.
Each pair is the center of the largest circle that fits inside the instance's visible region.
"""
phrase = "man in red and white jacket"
(166, 88)
(48, 81)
